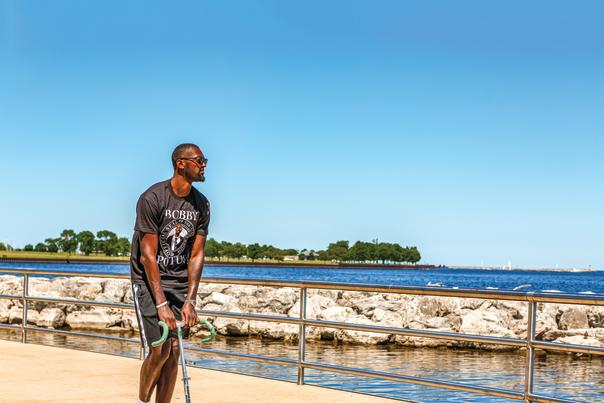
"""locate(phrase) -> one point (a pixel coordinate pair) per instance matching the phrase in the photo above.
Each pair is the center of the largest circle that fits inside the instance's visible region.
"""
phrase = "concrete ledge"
(35, 373)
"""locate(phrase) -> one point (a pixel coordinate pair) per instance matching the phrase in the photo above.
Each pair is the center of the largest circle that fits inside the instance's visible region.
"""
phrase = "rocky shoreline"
(582, 325)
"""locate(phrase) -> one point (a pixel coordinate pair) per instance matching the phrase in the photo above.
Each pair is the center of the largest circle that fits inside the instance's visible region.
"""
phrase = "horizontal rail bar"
(569, 348)
(120, 305)
(417, 381)
(71, 333)
(563, 298)
(248, 357)
(249, 316)
(9, 326)
(420, 333)
(80, 334)
(549, 399)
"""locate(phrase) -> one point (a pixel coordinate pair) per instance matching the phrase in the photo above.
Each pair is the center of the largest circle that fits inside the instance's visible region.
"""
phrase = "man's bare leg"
(152, 369)
(167, 378)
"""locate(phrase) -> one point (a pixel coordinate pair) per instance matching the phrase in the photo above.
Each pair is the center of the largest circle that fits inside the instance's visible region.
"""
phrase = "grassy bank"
(96, 257)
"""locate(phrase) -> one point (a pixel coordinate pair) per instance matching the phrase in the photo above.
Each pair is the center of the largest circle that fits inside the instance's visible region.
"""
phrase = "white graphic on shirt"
(173, 238)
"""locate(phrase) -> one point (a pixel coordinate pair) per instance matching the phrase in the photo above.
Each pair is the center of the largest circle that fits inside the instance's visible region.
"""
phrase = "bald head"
(183, 151)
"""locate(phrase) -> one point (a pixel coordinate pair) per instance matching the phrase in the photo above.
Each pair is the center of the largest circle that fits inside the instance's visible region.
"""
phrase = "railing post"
(25, 305)
(530, 351)
(302, 336)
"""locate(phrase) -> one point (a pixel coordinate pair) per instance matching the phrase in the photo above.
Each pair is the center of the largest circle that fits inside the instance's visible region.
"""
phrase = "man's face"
(193, 165)
(178, 229)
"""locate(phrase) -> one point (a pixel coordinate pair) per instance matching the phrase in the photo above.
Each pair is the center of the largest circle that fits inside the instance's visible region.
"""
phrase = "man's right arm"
(148, 256)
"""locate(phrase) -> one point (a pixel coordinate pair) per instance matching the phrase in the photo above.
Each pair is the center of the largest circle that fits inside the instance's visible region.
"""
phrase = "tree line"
(86, 242)
(340, 251)
(109, 244)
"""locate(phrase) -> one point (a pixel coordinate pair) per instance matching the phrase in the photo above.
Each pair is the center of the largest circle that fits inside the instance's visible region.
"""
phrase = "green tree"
(386, 252)
(360, 251)
(239, 250)
(338, 251)
(322, 255)
(274, 253)
(212, 248)
(414, 255)
(123, 246)
(2, 246)
(254, 251)
(67, 241)
(106, 242)
(40, 247)
(85, 241)
(52, 244)
(28, 248)
(226, 249)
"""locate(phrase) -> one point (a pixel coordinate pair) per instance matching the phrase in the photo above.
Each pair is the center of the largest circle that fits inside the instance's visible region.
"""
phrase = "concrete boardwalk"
(35, 373)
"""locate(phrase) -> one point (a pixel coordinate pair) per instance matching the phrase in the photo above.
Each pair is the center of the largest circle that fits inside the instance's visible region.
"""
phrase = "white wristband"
(162, 304)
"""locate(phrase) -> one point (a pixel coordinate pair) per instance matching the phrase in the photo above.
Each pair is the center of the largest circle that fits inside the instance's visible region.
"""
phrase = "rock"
(129, 321)
(97, 318)
(595, 316)
(573, 318)
(51, 317)
(281, 300)
(114, 290)
(5, 305)
(128, 296)
(231, 327)
(11, 285)
(437, 306)
(206, 289)
(580, 340)
(219, 299)
(555, 335)
(89, 291)
(315, 303)
(386, 318)
(15, 316)
(275, 331)
(485, 322)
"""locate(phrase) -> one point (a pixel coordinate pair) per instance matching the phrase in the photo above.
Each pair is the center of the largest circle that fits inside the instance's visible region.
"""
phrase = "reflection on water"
(559, 375)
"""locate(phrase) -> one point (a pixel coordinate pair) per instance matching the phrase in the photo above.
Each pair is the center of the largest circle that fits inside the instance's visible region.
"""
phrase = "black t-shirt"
(176, 220)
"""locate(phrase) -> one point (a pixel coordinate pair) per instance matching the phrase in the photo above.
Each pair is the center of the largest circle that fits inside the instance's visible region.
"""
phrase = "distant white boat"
(431, 284)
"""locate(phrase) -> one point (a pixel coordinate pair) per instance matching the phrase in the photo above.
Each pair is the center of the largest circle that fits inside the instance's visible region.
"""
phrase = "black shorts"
(146, 312)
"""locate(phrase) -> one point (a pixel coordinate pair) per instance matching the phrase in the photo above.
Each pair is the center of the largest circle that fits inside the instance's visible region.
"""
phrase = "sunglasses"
(198, 160)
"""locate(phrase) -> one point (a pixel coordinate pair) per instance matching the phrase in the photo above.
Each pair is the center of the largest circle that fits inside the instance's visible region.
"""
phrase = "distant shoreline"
(549, 269)
(288, 264)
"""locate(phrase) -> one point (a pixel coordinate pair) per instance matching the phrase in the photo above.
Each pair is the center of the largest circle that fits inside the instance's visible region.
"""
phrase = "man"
(167, 259)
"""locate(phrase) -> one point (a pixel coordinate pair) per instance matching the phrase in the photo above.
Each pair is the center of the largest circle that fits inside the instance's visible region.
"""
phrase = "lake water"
(527, 280)
(558, 375)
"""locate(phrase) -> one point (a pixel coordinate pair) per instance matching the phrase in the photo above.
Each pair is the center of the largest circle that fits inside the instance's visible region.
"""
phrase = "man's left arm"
(195, 269)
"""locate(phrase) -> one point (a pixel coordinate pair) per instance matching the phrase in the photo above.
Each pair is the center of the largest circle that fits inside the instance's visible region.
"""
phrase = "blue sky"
(470, 129)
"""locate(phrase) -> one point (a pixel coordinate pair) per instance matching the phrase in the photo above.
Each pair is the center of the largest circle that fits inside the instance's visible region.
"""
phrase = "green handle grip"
(164, 335)
(211, 328)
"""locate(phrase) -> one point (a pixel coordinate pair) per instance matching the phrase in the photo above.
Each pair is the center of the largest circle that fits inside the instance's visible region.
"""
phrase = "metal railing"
(530, 342)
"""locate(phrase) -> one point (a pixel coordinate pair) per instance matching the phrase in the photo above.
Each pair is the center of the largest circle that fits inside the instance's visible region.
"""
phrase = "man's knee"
(160, 354)
(175, 348)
